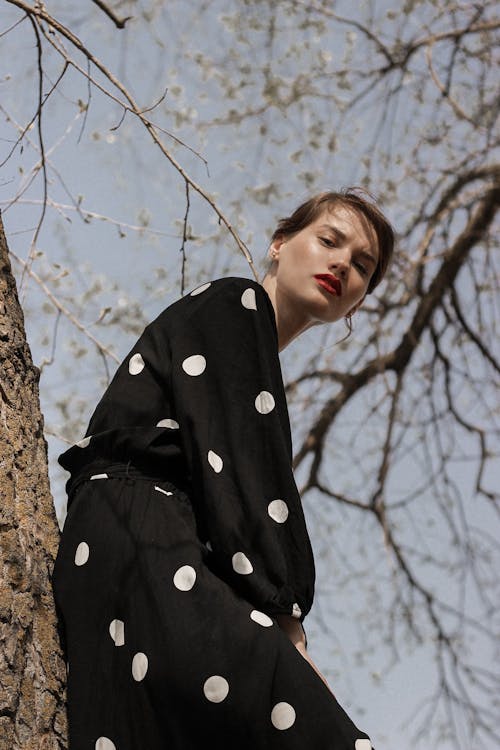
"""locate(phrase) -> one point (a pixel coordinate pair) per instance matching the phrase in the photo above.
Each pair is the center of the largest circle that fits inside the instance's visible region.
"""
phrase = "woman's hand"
(295, 632)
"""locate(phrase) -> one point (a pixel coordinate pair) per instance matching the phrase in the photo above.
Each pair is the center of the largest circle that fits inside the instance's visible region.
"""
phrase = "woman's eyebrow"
(342, 237)
(338, 232)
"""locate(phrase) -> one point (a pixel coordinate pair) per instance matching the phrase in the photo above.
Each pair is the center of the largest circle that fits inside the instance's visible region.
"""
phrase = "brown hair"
(358, 200)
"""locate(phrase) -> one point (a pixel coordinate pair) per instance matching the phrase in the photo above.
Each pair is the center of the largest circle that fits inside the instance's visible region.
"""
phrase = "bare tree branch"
(398, 359)
(119, 22)
(40, 15)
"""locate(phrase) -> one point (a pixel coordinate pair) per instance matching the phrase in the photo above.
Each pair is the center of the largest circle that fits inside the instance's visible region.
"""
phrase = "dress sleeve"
(231, 408)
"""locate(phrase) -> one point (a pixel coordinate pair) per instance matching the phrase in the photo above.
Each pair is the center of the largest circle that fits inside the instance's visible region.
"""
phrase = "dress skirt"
(163, 654)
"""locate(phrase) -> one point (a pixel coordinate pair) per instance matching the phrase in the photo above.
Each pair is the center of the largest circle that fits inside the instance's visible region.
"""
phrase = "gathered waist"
(101, 470)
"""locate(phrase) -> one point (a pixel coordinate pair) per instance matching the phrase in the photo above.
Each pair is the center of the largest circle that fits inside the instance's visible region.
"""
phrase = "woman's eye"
(326, 241)
(361, 267)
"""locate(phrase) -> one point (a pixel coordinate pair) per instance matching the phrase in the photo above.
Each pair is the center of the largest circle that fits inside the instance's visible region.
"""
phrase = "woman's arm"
(235, 433)
(295, 632)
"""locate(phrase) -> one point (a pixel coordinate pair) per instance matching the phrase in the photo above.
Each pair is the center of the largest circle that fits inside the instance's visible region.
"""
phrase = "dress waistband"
(103, 470)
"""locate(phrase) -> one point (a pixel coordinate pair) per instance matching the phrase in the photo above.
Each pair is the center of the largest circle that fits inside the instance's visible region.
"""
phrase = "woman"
(185, 569)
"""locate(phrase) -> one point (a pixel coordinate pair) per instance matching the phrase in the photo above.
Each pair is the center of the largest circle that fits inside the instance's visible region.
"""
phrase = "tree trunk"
(33, 674)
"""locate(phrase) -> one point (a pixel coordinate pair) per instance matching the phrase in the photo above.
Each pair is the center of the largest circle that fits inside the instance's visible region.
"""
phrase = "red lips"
(329, 282)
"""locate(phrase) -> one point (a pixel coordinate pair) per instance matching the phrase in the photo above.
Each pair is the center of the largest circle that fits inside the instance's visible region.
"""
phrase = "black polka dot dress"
(184, 539)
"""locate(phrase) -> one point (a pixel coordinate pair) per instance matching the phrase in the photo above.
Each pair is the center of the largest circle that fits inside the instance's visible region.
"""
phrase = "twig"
(445, 92)
(119, 22)
(87, 214)
(184, 239)
(42, 150)
(64, 310)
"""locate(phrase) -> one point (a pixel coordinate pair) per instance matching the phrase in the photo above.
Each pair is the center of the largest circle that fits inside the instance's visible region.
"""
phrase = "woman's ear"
(275, 248)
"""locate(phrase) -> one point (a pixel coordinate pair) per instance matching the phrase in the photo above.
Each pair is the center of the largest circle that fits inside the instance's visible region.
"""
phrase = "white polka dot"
(139, 666)
(136, 364)
(248, 299)
(215, 462)
(184, 578)
(103, 743)
(82, 553)
(194, 365)
(99, 476)
(84, 442)
(278, 510)
(241, 564)
(261, 618)
(170, 423)
(363, 745)
(283, 716)
(264, 403)
(200, 289)
(296, 611)
(209, 547)
(216, 688)
(117, 632)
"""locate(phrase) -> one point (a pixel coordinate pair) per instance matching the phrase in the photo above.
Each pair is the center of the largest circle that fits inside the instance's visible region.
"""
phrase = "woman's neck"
(288, 322)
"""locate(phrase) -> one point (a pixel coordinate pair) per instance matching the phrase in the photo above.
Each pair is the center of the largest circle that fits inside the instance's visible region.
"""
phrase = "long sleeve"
(229, 401)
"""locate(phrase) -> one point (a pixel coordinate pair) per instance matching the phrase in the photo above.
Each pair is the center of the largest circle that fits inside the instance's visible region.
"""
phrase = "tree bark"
(33, 674)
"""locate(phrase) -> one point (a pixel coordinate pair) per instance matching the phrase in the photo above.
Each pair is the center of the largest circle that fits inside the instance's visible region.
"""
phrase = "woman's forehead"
(349, 225)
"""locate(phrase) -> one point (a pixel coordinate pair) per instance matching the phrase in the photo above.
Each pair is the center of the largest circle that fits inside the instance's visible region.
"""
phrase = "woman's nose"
(339, 267)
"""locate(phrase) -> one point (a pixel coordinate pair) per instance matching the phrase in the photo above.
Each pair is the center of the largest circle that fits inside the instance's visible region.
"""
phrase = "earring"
(348, 323)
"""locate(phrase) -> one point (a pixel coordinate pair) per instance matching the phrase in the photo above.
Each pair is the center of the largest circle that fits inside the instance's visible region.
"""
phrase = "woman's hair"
(356, 199)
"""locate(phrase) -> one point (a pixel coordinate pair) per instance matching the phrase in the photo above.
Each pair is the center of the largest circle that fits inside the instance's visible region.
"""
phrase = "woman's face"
(323, 271)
